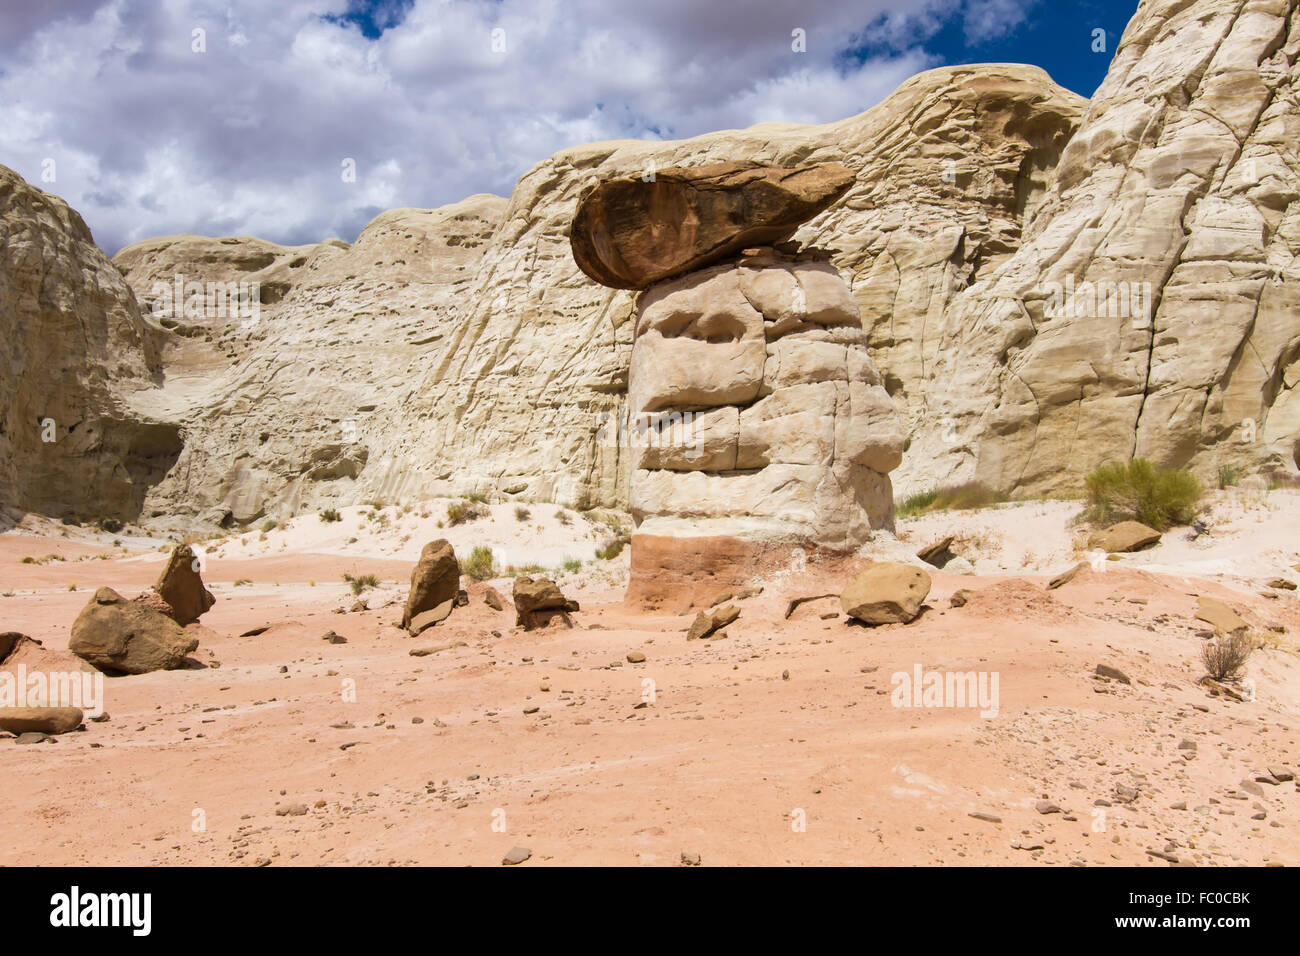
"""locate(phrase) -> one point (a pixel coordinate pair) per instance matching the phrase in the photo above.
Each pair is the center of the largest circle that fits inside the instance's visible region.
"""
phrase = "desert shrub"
(572, 564)
(1138, 490)
(330, 514)
(111, 525)
(459, 512)
(970, 494)
(562, 517)
(270, 526)
(361, 582)
(1227, 654)
(477, 498)
(1228, 476)
(243, 583)
(480, 565)
(522, 513)
(1277, 478)
(611, 550)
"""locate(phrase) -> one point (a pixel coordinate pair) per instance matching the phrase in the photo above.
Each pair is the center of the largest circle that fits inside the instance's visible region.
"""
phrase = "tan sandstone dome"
(631, 232)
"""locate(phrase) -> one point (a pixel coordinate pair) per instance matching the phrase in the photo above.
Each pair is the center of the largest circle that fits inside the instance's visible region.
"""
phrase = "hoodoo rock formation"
(754, 408)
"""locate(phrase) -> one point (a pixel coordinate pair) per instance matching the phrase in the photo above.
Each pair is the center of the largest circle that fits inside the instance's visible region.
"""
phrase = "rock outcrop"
(121, 636)
(886, 593)
(40, 720)
(75, 357)
(1150, 308)
(491, 363)
(632, 232)
(435, 584)
(181, 586)
(539, 600)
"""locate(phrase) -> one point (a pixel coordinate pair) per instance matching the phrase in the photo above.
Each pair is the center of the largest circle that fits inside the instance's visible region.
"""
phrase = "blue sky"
(232, 117)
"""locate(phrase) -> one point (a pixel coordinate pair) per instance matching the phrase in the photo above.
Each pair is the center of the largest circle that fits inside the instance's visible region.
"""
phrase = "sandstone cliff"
(1045, 283)
(473, 355)
(73, 351)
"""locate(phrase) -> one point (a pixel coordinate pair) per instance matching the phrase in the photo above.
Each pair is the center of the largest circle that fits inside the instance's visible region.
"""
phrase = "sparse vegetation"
(478, 498)
(243, 583)
(480, 565)
(522, 513)
(1139, 490)
(562, 517)
(611, 550)
(329, 515)
(1281, 479)
(1228, 476)
(572, 564)
(459, 512)
(361, 582)
(961, 497)
(270, 526)
(1227, 654)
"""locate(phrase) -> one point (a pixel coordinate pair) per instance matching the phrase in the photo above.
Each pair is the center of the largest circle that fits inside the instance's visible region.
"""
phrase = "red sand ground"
(783, 723)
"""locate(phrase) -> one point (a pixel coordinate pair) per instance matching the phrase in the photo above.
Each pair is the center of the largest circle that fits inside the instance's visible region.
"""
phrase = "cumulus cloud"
(237, 117)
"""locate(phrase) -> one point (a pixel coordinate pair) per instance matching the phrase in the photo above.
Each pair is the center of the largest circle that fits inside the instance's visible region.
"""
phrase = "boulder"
(11, 641)
(937, 553)
(1125, 536)
(435, 581)
(538, 600)
(426, 619)
(40, 720)
(493, 599)
(114, 634)
(181, 586)
(886, 593)
(707, 622)
(1219, 616)
(631, 232)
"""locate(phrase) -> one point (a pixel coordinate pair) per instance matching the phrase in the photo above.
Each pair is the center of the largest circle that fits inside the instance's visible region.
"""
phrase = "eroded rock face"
(632, 232)
(490, 357)
(756, 409)
(75, 356)
(118, 635)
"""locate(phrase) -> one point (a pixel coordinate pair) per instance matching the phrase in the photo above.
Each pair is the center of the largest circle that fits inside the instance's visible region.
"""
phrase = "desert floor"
(779, 745)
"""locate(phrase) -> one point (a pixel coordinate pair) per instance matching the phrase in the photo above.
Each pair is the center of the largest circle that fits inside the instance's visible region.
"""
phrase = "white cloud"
(151, 138)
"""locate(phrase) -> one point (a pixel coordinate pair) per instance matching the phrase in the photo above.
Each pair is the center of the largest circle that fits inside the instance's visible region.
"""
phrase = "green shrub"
(458, 512)
(330, 514)
(572, 564)
(362, 582)
(480, 565)
(1228, 476)
(1140, 491)
(477, 498)
(610, 551)
(962, 497)
(270, 526)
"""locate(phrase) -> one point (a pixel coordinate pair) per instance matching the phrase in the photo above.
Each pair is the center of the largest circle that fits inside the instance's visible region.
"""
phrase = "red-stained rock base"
(673, 572)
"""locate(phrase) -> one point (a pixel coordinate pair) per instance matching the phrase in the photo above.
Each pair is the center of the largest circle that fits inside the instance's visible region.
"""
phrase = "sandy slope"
(782, 722)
